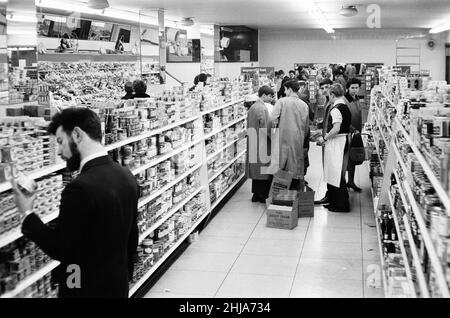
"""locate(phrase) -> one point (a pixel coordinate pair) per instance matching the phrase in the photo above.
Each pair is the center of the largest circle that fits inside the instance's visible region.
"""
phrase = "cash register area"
(236, 255)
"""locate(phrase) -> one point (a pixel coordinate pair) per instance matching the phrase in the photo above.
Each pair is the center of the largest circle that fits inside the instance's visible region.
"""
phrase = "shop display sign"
(267, 71)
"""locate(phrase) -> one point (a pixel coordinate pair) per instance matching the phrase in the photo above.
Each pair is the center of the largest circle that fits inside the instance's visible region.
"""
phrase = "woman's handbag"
(357, 152)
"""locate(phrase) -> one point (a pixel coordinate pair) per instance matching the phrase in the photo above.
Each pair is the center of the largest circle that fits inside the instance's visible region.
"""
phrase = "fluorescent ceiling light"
(55, 18)
(21, 17)
(19, 31)
(98, 24)
(66, 6)
(314, 10)
(440, 28)
(81, 7)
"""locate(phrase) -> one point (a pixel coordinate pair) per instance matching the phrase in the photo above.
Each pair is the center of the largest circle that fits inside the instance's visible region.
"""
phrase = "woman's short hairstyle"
(337, 89)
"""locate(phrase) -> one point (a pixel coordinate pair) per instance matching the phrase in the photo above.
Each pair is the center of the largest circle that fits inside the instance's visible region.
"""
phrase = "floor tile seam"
(261, 274)
(299, 258)
(240, 253)
(362, 242)
(163, 292)
(197, 270)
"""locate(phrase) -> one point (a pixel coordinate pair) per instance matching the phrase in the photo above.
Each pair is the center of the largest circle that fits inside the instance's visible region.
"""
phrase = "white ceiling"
(292, 14)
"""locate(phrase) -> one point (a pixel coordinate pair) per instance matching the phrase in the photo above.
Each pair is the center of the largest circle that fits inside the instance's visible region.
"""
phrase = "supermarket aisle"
(238, 256)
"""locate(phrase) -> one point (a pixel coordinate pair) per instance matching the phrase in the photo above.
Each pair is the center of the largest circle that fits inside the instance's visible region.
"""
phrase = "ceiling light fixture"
(66, 6)
(98, 4)
(187, 22)
(440, 28)
(348, 11)
(21, 17)
(314, 10)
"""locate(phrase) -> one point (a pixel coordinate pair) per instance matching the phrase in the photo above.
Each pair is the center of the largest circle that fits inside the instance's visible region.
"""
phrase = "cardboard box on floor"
(280, 216)
(305, 203)
(284, 209)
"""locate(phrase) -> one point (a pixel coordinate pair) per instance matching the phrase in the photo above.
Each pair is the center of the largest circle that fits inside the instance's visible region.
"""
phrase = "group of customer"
(136, 89)
(286, 148)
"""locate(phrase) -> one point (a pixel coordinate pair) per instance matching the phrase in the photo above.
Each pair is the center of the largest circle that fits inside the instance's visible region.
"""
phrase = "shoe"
(324, 200)
(262, 200)
(336, 209)
(354, 187)
(255, 198)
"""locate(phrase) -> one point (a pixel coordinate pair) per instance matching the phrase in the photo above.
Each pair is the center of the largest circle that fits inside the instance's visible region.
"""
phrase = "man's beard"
(73, 163)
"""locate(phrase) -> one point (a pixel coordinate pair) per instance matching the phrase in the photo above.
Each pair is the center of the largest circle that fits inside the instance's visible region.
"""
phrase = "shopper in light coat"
(258, 145)
(291, 114)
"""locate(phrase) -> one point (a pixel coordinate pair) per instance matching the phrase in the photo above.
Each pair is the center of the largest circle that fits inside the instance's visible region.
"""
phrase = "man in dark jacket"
(96, 234)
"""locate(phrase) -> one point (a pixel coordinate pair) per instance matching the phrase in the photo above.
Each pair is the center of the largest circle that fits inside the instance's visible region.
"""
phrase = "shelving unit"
(402, 247)
(416, 261)
(164, 157)
(5, 186)
(168, 214)
(380, 250)
(15, 234)
(28, 281)
(218, 151)
(158, 264)
(431, 176)
(168, 186)
(226, 166)
(148, 134)
(201, 166)
(234, 122)
(222, 106)
(223, 195)
(407, 196)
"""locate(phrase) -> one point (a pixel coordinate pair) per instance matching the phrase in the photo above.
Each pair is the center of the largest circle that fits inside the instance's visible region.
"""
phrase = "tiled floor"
(329, 255)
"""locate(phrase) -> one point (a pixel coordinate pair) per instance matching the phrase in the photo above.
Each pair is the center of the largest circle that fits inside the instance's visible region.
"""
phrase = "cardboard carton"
(281, 217)
(305, 203)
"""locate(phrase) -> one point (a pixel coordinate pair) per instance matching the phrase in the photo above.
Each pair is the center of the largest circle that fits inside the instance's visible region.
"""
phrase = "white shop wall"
(282, 49)
(233, 69)
(185, 72)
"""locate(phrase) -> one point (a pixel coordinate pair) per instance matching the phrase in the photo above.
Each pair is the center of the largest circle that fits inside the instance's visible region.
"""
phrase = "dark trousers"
(338, 197)
(295, 184)
(261, 188)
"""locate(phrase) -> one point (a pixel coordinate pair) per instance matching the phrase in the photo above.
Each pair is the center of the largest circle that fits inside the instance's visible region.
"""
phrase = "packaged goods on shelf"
(23, 85)
(78, 83)
(42, 288)
(47, 201)
(164, 172)
(150, 213)
(222, 183)
(30, 145)
(157, 244)
(398, 285)
(18, 261)
(215, 120)
(223, 91)
(418, 123)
